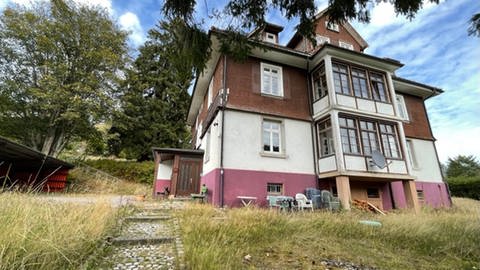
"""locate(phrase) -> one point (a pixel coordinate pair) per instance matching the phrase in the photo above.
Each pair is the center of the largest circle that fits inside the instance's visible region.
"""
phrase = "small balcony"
(217, 103)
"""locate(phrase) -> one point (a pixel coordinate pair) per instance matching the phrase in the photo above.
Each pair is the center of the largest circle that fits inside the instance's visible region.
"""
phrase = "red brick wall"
(418, 127)
(243, 80)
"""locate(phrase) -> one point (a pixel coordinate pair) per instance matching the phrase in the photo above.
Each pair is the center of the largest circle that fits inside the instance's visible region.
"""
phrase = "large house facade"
(302, 116)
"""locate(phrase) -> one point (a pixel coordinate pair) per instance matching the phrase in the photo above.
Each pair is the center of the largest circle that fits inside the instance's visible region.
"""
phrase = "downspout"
(312, 122)
(224, 102)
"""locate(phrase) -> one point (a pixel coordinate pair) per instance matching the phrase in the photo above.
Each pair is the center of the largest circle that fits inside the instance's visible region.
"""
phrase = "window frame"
(275, 185)
(346, 45)
(365, 78)
(321, 72)
(320, 39)
(340, 79)
(332, 26)
(268, 39)
(401, 105)
(279, 83)
(330, 140)
(373, 82)
(389, 135)
(373, 131)
(349, 142)
(281, 139)
(411, 154)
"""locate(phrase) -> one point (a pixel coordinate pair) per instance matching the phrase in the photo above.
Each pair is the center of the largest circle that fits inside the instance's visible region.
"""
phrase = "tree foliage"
(246, 15)
(462, 166)
(60, 64)
(474, 28)
(155, 102)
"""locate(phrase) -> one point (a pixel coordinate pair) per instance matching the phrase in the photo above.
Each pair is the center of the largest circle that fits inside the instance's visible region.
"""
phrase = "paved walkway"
(149, 239)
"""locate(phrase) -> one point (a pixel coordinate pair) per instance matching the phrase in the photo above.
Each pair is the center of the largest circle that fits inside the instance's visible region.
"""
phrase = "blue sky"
(434, 47)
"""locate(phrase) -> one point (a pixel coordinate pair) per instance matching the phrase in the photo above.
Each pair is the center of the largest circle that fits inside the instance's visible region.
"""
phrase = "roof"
(269, 27)
(177, 151)
(15, 152)
(415, 88)
(433, 88)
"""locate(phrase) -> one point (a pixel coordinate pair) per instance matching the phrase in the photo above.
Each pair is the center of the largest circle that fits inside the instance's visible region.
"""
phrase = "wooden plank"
(376, 209)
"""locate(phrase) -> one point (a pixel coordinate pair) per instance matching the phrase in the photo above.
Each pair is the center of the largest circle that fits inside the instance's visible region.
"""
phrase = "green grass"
(38, 234)
(433, 239)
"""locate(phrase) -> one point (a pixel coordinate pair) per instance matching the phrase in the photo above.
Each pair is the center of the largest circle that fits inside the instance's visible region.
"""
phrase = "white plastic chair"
(303, 202)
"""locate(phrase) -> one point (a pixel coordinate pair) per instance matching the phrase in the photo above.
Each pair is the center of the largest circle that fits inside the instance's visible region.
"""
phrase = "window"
(319, 83)
(359, 83)
(207, 146)
(389, 141)
(271, 83)
(364, 83)
(378, 87)
(373, 193)
(269, 37)
(369, 137)
(349, 135)
(271, 136)
(340, 79)
(325, 138)
(345, 45)
(322, 39)
(370, 133)
(411, 154)
(274, 189)
(332, 26)
(210, 92)
(420, 195)
(402, 109)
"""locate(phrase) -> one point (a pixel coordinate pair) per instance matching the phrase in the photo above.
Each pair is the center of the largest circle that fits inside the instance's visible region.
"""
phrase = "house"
(25, 168)
(299, 116)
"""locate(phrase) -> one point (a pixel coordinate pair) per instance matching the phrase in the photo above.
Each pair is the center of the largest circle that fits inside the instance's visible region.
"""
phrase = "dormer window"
(322, 39)
(345, 45)
(332, 26)
(269, 37)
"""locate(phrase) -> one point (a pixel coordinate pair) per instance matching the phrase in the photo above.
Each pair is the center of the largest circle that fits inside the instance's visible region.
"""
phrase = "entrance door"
(188, 176)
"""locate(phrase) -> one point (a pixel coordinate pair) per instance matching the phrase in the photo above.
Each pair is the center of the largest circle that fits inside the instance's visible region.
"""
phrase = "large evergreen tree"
(155, 103)
(60, 64)
(462, 166)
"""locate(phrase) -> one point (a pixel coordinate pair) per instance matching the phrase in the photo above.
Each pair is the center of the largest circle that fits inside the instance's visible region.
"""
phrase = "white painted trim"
(337, 141)
(280, 79)
(329, 76)
(401, 104)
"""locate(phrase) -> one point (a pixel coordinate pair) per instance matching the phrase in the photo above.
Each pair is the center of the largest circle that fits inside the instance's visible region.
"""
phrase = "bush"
(465, 186)
(139, 172)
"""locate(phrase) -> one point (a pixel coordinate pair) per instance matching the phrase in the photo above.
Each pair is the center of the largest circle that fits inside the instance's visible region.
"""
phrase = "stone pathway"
(149, 239)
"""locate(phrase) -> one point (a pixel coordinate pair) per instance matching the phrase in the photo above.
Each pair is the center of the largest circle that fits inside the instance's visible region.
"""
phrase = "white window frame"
(411, 154)
(208, 145)
(332, 26)
(321, 39)
(402, 108)
(199, 132)
(210, 92)
(282, 150)
(279, 75)
(271, 39)
(345, 45)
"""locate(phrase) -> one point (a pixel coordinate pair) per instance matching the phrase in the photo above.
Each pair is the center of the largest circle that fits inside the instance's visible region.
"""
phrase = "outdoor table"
(247, 200)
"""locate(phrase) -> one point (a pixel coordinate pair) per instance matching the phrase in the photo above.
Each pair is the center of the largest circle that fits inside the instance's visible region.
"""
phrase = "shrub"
(139, 172)
(465, 186)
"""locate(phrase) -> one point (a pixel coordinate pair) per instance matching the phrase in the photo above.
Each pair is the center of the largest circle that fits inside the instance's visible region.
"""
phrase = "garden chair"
(329, 201)
(273, 202)
(303, 202)
(202, 195)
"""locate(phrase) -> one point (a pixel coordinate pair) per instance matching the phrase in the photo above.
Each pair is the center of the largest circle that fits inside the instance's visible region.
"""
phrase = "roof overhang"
(415, 88)
(355, 57)
(13, 152)
(169, 153)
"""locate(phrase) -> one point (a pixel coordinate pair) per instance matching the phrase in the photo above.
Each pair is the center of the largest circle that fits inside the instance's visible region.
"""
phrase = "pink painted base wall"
(435, 194)
(161, 184)
(253, 184)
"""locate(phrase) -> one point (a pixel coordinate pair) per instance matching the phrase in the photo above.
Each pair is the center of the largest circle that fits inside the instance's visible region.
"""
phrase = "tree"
(244, 15)
(462, 166)
(60, 64)
(474, 28)
(155, 102)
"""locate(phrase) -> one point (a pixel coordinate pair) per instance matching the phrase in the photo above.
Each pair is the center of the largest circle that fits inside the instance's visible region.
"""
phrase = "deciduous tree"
(60, 63)
(462, 166)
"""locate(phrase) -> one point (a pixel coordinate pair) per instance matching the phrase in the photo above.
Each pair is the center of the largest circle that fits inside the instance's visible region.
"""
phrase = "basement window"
(274, 189)
(373, 193)
(420, 195)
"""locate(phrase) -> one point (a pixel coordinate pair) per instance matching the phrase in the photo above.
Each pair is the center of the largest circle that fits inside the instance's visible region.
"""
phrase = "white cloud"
(452, 142)
(130, 22)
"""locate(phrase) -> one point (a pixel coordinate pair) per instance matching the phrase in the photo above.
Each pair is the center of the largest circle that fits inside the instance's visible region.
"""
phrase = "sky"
(434, 46)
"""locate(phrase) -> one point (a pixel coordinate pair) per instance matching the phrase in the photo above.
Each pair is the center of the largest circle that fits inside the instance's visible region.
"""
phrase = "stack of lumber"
(366, 206)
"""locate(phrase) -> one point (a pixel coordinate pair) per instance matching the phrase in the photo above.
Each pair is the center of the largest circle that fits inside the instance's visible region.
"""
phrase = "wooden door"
(188, 176)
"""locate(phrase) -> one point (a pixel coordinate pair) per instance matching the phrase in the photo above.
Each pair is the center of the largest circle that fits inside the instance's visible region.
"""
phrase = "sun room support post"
(410, 190)
(343, 190)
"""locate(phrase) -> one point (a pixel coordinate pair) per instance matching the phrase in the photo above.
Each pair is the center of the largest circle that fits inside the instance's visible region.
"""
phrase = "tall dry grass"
(433, 239)
(38, 234)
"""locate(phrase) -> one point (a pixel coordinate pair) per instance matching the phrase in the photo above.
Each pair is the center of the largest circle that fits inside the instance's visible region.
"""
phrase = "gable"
(342, 35)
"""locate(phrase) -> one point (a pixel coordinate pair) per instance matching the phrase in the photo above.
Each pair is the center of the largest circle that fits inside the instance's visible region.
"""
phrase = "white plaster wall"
(165, 170)
(366, 105)
(385, 108)
(215, 137)
(397, 166)
(428, 168)
(327, 164)
(353, 163)
(320, 105)
(243, 145)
